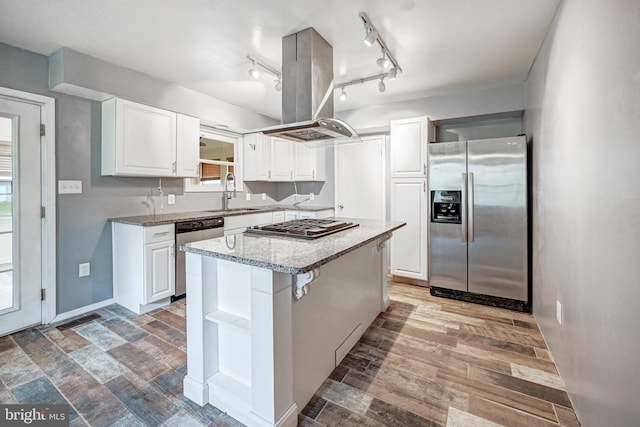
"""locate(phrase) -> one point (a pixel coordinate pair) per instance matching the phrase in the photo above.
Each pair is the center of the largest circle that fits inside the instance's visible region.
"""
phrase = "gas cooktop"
(308, 228)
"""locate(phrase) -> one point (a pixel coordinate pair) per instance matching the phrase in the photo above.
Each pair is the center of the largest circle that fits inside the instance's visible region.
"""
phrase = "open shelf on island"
(226, 318)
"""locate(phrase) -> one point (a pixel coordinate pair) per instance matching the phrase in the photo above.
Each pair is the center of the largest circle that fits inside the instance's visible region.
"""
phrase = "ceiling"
(442, 45)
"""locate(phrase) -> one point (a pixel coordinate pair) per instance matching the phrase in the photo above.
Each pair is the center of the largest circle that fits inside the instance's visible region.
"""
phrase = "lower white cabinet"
(239, 223)
(301, 214)
(143, 266)
(409, 256)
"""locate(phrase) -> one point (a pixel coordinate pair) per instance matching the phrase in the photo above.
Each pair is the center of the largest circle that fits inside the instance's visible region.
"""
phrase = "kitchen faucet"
(226, 194)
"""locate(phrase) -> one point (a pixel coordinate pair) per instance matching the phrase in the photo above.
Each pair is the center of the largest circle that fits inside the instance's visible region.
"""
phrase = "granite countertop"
(291, 255)
(171, 218)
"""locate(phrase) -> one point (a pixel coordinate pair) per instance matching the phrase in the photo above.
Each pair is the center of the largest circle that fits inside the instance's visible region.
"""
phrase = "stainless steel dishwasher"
(192, 231)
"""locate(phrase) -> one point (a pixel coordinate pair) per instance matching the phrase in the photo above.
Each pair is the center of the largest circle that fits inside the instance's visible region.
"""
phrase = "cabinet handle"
(424, 168)
(424, 186)
(174, 168)
(313, 174)
(291, 174)
(164, 233)
(269, 174)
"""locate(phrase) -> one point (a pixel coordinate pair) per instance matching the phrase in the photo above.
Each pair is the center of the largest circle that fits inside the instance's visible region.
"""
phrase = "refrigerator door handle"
(463, 213)
(471, 205)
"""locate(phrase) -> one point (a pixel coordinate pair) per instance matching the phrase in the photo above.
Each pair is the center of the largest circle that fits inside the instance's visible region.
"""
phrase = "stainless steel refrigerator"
(478, 225)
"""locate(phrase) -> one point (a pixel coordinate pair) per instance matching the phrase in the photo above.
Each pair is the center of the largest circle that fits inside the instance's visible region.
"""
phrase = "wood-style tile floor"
(425, 362)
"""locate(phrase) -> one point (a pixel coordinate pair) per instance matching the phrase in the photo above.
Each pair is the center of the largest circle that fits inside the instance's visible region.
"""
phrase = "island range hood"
(307, 92)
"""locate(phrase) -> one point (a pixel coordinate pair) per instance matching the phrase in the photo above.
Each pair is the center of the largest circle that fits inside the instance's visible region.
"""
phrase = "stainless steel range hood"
(307, 93)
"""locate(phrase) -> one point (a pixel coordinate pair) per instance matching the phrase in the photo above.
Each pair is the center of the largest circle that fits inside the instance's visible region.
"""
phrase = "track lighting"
(383, 61)
(255, 73)
(371, 34)
(393, 73)
(381, 86)
(343, 95)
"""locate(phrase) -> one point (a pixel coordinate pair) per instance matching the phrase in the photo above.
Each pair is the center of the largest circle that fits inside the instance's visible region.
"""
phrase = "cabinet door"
(408, 148)
(409, 243)
(305, 163)
(188, 146)
(282, 157)
(145, 140)
(159, 271)
(290, 215)
(257, 157)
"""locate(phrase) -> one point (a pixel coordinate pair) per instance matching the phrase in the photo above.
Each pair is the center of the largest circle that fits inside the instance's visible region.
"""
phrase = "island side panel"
(271, 349)
(341, 303)
(202, 338)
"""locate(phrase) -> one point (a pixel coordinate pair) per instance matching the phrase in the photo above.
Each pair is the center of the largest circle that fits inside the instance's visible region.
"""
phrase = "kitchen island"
(269, 318)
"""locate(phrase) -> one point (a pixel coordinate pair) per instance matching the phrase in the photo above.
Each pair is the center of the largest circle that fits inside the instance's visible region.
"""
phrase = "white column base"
(196, 391)
(289, 419)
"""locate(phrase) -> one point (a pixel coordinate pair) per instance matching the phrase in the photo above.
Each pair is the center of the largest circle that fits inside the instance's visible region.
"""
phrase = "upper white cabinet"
(188, 136)
(139, 140)
(280, 160)
(408, 147)
(257, 157)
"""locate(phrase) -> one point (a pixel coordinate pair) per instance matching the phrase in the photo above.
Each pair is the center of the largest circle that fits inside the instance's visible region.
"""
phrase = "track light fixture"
(343, 95)
(383, 61)
(371, 34)
(255, 73)
(393, 74)
(381, 86)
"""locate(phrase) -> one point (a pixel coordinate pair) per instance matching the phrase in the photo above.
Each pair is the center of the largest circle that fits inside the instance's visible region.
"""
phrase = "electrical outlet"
(559, 312)
(84, 269)
(312, 196)
(248, 196)
(264, 196)
(69, 187)
(171, 199)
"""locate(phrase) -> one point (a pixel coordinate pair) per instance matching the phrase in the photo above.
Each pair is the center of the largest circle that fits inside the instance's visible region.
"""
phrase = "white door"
(408, 148)
(20, 223)
(281, 160)
(360, 179)
(160, 279)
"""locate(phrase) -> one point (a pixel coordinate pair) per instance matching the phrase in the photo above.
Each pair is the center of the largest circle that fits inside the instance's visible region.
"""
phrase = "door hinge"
(43, 294)
(43, 212)
(42, 130)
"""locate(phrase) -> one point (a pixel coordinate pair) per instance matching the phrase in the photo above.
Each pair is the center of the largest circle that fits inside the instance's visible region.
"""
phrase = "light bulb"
(381, 86)
(254, 73)
(393, 73)
(371, 36)
(343, 95)
(383, 61)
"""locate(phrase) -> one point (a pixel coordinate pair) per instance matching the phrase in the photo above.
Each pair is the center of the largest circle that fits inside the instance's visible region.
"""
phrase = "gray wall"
(583, 116)
(83, 233)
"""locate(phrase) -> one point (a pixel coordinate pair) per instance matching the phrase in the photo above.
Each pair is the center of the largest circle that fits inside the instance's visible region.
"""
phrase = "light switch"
(69, 187)
(171, 199)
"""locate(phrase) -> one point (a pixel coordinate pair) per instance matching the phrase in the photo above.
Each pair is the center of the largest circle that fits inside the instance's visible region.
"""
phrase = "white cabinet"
(309, 163)
(187, 151)
(143, 266)
(257, 157)
(278, 217)
(140, 140)
(408, 147)
(409, 243)
(301, 214)
(409, 201)
(238, 223)
(280, 160)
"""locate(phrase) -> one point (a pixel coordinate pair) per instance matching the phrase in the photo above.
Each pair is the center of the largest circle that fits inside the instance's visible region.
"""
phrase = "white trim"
(48, 144)
(82, 310)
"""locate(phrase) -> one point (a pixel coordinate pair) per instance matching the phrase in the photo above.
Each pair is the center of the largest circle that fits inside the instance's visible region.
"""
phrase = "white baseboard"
(82, 310)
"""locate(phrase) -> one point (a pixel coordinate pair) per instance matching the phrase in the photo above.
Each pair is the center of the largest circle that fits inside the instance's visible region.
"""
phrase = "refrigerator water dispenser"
(446, 207)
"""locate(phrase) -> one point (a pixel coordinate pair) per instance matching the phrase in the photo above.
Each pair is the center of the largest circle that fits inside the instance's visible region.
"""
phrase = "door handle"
(463, 213)
(341, 206)
(471, 207)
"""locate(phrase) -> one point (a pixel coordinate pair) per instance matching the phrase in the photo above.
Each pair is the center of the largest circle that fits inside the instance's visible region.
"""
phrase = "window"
(220, 155)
